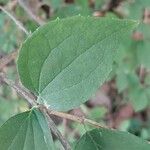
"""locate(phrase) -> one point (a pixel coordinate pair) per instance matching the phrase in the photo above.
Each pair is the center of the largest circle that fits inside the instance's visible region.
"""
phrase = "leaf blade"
(105, 139)
(71, 54)
(19, 132)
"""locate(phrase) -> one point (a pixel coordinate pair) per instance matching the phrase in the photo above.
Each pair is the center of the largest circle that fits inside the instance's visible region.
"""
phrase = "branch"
(57, 133)
(81, 120)
(30, 13)
(19, 89)
(18, 23)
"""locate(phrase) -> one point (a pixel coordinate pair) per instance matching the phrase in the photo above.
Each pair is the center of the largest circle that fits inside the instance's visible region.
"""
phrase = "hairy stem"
(81, 120)
(57, 133)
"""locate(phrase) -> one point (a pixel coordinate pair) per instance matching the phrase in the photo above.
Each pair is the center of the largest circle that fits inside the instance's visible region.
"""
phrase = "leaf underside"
(66, 61)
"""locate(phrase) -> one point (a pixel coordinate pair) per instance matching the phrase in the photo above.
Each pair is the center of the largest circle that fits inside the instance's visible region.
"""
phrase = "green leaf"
(26, 131)
(65, 61)
(104, 139)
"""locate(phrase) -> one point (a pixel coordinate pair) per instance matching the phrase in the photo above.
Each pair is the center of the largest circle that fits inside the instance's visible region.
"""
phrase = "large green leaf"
(26, 131)
(104, 139)
(65, 61)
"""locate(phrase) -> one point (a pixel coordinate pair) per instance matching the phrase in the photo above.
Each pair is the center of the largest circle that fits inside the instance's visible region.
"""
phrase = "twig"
(20, 90)
(19, 24)
(57, 133)
(7, 59)
(30, 13)
(78, 119)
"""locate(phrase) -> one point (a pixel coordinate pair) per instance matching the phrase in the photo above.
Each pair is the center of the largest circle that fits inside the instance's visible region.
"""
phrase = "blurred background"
(123, 101)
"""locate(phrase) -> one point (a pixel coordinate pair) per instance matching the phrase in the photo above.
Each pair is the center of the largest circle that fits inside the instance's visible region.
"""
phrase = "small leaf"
(104, 139)
(26, 131)
(65, 61)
